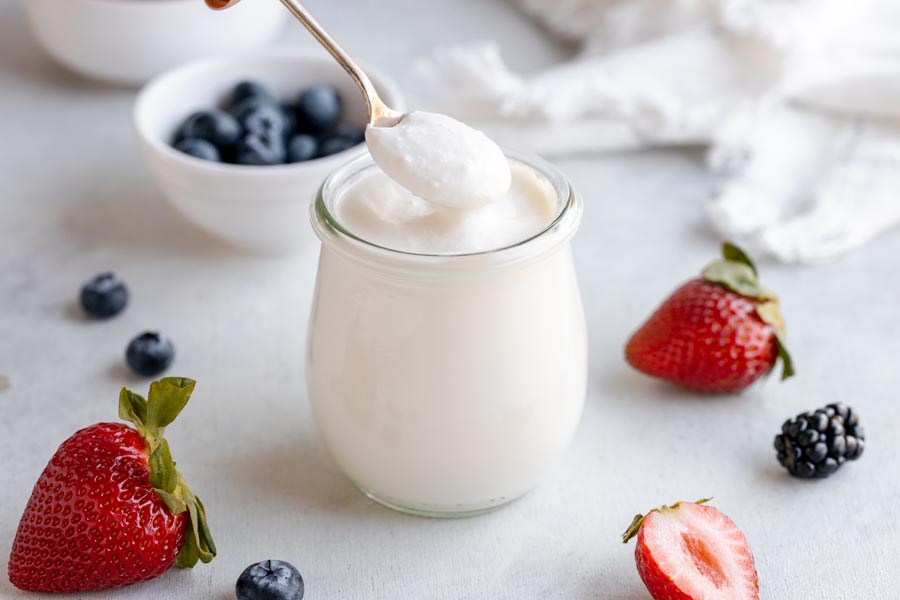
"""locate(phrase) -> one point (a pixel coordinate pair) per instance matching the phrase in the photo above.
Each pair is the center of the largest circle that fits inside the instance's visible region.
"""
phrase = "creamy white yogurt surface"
(381, 211)
(441, 160)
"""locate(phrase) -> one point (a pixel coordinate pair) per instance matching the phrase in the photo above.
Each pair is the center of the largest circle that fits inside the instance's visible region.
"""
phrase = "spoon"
(379, 113)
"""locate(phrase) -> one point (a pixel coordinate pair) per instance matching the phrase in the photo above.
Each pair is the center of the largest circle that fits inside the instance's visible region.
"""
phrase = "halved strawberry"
(692, 552)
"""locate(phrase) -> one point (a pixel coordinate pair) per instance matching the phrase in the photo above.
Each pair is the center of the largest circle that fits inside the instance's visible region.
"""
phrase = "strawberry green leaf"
(787, 363)
(770, 313)
(736, 272)
(133, 408)
(190, 553)
(734, 254)
(176, 505)
(198, 541)
(203, 529)
(633, 528)
(163, 475)
(738, 278)
(167, 398)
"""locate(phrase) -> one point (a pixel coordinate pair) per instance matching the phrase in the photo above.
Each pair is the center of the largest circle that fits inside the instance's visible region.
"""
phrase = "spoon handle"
(377, 110)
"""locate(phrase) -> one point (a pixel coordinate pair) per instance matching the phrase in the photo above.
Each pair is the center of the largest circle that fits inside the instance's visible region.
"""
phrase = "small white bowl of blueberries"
(241, 145)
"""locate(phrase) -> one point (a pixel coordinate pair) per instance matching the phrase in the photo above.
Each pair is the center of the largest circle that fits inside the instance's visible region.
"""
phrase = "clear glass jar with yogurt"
(446, 383)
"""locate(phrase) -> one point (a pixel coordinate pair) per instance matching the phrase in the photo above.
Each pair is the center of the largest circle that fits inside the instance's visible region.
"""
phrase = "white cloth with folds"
(799, 101)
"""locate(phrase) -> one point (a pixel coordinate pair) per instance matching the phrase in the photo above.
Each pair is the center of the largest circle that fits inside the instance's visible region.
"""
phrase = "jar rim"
(328, 228)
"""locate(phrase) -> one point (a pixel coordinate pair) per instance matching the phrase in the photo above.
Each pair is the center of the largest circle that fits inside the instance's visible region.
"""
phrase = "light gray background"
(76, 199)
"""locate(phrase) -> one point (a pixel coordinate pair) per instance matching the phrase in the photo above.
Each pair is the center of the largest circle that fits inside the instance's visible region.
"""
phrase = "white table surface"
(76, 199)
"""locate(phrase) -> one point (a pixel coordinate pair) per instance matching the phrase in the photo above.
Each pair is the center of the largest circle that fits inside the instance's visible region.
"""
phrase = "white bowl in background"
(261, 208)
(130, 41)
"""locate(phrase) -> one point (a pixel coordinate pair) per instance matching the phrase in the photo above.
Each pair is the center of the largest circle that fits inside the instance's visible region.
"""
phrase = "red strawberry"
(691, 552)
(110, 509)
(718, 333)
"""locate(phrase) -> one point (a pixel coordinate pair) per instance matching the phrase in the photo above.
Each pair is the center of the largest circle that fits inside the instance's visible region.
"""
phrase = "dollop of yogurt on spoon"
(441, 160)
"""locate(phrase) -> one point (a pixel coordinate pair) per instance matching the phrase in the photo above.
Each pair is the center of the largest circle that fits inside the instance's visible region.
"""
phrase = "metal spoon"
(380, 114)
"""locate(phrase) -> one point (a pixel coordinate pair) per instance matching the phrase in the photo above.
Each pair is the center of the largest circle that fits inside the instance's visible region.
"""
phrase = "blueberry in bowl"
(318, 109)
(215, 126)
(245, 90)
(199, 148)
(251, 127)
(302, 147)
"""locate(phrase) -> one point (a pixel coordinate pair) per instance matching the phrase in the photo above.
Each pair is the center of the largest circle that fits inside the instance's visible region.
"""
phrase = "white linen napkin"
(799, 100)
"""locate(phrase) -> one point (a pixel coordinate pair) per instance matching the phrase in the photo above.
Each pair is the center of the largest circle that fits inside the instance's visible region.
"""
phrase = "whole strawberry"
(110, 509)
(689, 551)
(718, 333)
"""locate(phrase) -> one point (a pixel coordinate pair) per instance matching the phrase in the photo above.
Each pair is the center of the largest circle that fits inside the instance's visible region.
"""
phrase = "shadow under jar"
(446, 385)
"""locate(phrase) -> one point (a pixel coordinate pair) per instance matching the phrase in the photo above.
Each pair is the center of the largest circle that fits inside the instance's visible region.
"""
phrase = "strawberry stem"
(735, 254)
(166, 400)
(638, 520)
(737, 273)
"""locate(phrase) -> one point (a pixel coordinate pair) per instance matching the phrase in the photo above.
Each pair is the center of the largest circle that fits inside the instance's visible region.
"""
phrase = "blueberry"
(302, 147)
(318, 109)
(270, 580)
(333, 145)
(248, 89)
(104, 296)
(351, 132)
(246, 105)
(264, 119)
(215, 126)
(255, 149)
(150, 354)
(199, 148)
(290, 120)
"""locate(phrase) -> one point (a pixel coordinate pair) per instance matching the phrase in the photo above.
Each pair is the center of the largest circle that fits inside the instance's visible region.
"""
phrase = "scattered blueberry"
(263, 119)
(104, 296)
(270, 580)
(318, 109)
(302, 147)
(150, 354)
(255, 149)
(215, 126)
(199, 148)
(333, 145)
(351, 132)
(248, 89)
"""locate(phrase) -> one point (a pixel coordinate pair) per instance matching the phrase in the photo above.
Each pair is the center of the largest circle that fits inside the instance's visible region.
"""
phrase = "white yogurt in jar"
(446, 378)
(381, 211)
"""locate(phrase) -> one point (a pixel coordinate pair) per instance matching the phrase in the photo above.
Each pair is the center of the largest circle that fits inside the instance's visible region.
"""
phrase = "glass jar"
(446, 385)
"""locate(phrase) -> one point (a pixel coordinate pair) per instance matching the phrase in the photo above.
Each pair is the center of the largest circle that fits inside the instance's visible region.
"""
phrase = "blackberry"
(818, 443)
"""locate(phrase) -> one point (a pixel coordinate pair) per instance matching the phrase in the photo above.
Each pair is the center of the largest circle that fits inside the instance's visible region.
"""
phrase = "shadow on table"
(129, 213)
(296, 471)
(599, 589)
(623, 382)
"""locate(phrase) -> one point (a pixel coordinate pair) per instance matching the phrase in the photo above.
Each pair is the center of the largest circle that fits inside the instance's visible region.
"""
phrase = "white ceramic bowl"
(261, 208)
(130, 41)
